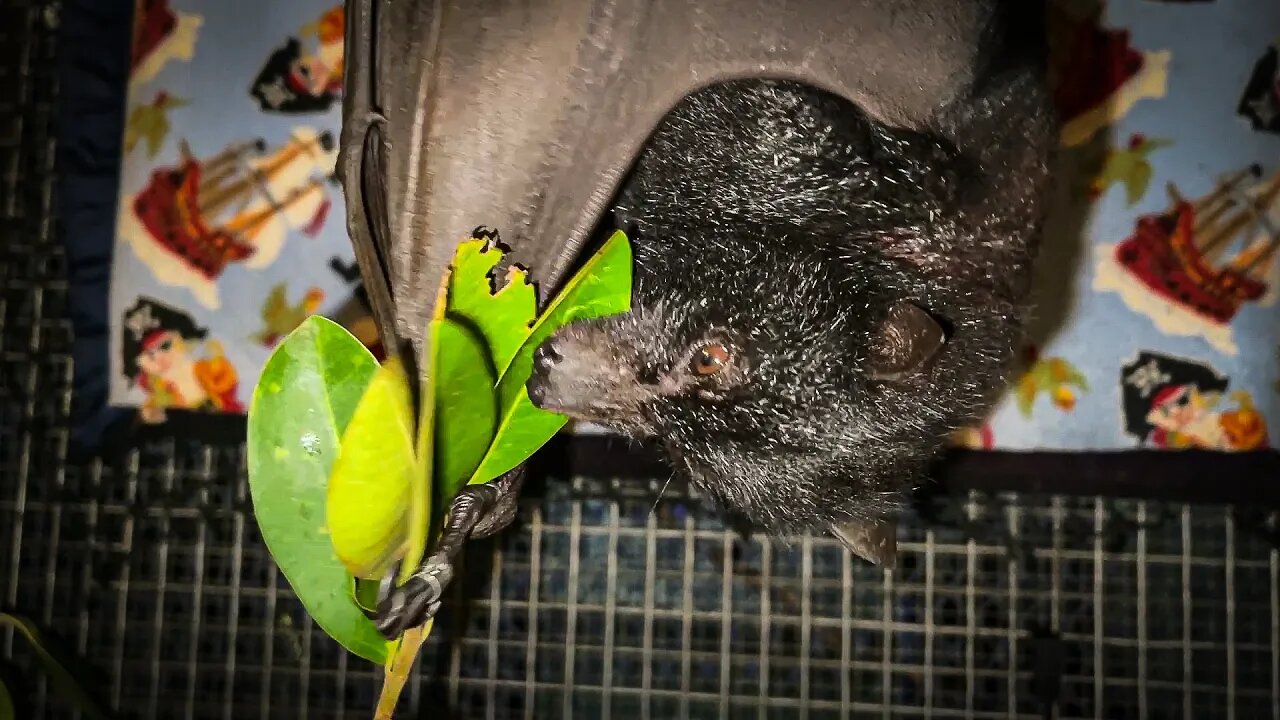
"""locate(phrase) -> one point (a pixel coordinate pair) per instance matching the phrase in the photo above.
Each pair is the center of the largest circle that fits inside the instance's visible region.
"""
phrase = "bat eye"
(710, 359)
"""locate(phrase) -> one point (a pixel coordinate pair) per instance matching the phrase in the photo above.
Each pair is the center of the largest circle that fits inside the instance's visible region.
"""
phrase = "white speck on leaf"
(311, 443)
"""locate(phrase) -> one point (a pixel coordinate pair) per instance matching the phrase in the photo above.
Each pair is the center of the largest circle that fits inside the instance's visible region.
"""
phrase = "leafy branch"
(346, 482)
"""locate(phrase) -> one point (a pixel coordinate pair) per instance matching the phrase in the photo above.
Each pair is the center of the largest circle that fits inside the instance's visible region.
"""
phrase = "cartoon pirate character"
(293, 81)
(1174, 403)
(160, 356)
(1180, 417)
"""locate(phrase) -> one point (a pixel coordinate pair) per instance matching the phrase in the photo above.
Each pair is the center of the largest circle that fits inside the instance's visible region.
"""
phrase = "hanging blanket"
(228, 226)
(1157, 324)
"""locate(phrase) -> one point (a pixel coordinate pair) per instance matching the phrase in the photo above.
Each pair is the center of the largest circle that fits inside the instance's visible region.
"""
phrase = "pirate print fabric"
(1156, 323)
(297, 79)
(229, 225)
(174, 362)
(1172, 402)
(1260, 101)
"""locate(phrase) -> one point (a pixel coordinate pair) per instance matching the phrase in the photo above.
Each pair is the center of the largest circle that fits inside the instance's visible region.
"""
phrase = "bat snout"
(576, 377)
(546, 384)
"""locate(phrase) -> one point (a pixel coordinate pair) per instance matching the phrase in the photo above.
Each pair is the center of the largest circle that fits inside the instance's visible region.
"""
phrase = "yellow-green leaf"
(365, 594)
(503, 318)
(419, 518)
(368, 496)
(304, 400)
(602, 287)
(466, 407)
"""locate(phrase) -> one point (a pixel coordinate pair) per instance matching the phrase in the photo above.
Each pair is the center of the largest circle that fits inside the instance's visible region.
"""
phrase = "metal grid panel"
(600, 603)
(598, 608)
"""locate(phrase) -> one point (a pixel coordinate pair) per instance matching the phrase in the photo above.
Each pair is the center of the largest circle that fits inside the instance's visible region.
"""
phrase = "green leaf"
(504, 318)
(61, 680)
(155, 134)
(304, 400)
(367, 503)
(419, 519)
(602, 287)
(6, 703)
(1135, 185)
(146, 122)
(1067, 374)
(466, 407)
(447, 350)
(1079, 379)
(139, 126)
(1062, 372)
(275, 305)
(364, 593)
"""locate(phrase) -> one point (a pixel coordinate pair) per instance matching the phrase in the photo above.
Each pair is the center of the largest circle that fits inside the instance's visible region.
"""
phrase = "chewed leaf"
(466, 408)
(502, 318)
(602, 287)
(304, 400)
(368, 496)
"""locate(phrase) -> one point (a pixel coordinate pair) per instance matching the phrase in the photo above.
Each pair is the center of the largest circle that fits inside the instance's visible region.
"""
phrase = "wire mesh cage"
(608, 598)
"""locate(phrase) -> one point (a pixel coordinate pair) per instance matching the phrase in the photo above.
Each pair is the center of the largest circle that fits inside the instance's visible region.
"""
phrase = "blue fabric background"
(1213, 48)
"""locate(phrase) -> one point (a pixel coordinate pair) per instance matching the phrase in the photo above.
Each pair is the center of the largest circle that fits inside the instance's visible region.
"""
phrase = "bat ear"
(908, 342)
(875, 541)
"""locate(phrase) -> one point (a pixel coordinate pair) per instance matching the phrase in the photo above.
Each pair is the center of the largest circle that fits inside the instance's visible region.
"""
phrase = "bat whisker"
(661, 491)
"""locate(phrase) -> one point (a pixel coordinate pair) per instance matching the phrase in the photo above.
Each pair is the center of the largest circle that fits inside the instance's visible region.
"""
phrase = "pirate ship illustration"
(159, 35)
(1097, 76)
(194, 219)
(1203, 258)
(1181, 253)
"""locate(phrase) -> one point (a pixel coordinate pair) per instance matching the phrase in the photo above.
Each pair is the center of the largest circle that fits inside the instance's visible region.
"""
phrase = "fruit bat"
(526, 116)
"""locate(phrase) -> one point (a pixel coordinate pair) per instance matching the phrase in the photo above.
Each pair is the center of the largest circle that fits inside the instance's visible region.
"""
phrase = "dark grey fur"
(781, 217)
(783, 222)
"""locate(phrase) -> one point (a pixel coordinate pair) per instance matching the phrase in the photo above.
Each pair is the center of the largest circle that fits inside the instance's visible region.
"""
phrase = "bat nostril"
(546, 356)
(537, 392)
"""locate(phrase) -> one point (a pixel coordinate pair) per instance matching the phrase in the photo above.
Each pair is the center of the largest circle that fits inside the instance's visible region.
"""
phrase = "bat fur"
(781, 223)
(858, 273)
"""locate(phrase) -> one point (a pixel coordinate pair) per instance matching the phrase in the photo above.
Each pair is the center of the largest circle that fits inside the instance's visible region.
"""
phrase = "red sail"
(168, 209)
(1162, 255)
(1098, 64)
(153, 22)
